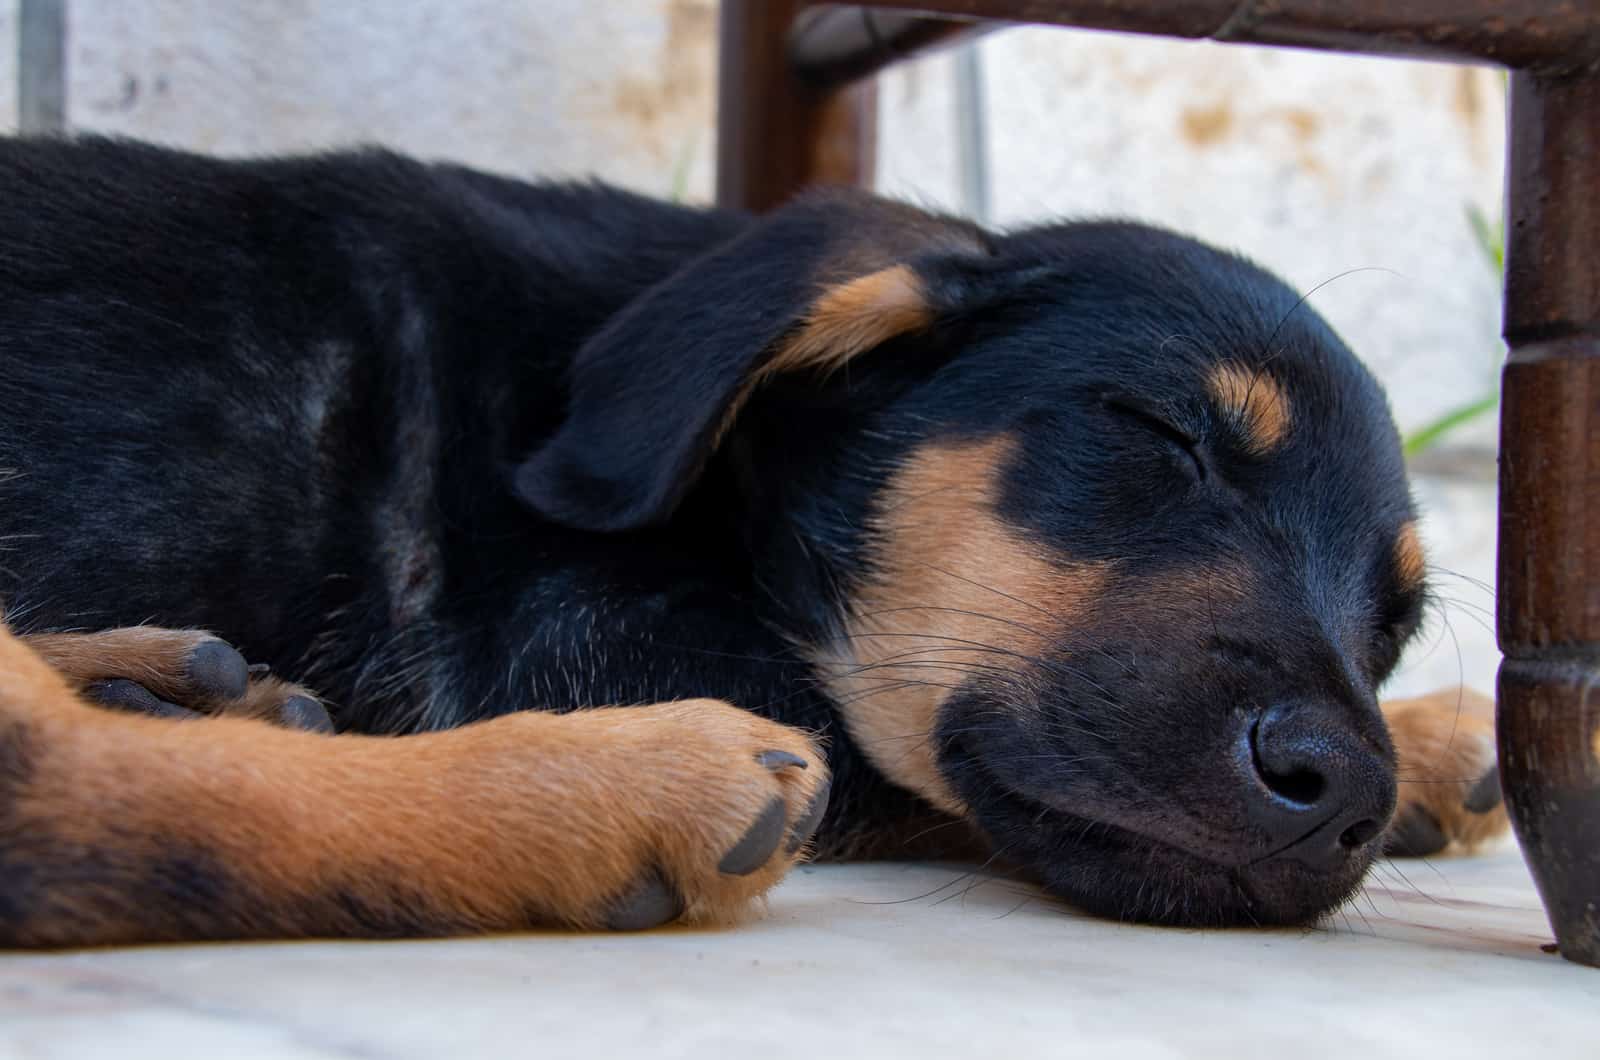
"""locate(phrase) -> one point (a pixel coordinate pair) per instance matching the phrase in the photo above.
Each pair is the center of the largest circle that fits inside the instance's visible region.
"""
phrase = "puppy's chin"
(1110, 871)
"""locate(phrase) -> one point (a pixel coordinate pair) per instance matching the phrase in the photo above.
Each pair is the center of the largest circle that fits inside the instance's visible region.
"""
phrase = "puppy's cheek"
(898, 734)
(959, 600)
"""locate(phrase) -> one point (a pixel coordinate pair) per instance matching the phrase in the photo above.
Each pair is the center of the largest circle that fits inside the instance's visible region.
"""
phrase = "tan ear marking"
(1409, 560)
(852, 317)
(1255, 402)
(847, 319)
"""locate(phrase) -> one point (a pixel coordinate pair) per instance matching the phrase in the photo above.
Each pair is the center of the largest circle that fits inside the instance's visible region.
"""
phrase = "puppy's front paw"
(1449, 780)
(701, 807)
(175, 673)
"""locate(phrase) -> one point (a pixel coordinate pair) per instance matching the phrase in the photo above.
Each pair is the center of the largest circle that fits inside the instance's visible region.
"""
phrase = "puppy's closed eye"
(1149, 419)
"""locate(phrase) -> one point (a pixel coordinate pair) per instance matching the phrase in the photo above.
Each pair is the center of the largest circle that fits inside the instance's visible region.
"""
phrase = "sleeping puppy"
(1083, 548)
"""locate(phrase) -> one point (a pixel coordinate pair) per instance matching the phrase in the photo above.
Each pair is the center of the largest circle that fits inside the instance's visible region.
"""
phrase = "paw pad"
(1414, 834)
(1485, 794)
(123, 694)
(758, 844)
(806, 826)
(217, 671)
(303, 712)
(649, 903)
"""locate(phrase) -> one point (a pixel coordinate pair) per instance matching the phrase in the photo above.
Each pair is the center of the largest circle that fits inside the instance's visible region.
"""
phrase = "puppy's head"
(1097, 536)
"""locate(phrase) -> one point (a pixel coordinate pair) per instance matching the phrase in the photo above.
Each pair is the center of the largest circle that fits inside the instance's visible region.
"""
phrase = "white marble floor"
(869, 961)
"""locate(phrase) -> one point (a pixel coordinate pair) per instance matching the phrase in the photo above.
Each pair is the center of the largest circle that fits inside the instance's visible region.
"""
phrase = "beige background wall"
(1316, 165)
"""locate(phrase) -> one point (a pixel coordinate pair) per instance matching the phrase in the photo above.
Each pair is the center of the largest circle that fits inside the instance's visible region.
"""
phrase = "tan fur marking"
(1409, 560)
(527, 819)
(853, 317)
(847, 319)
(953, 579)
(155, 657)
(263, 700)
(1254, 402)
(1445, 741)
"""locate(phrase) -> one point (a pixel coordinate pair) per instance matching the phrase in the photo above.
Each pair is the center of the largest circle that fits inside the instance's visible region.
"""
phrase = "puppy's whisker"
(1300, 303)
(1478, 583)
(957, 881)
(1052, 616)
(943, 609)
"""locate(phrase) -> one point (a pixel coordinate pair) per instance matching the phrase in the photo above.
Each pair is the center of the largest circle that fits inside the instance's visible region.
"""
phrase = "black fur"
(440, 445)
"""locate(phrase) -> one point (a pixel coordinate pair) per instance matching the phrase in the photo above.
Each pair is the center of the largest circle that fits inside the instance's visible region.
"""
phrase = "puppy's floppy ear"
(806, 288)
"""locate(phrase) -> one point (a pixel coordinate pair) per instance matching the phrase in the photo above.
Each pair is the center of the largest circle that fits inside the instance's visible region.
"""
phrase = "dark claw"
(1414, 834)
(123, 694)
(651, 903)
(217, 671)
(806, 826)
(1485, 794)
(303, 712)
(776, 760)
(755, 849)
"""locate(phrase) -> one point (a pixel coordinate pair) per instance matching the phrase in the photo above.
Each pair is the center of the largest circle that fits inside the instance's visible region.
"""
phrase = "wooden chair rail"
(829, 42)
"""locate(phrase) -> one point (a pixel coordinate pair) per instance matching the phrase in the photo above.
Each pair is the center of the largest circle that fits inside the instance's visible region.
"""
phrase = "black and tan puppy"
(1087, 546)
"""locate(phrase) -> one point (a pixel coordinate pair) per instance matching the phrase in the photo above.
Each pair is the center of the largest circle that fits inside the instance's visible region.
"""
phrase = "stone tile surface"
(859, 961)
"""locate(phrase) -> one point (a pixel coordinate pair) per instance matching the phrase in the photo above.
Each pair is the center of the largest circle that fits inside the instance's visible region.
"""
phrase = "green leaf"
(1491, 238)
(1430, 433)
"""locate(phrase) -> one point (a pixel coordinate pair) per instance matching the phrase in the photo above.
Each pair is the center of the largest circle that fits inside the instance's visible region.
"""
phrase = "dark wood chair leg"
(1549, 565)
(777, 133)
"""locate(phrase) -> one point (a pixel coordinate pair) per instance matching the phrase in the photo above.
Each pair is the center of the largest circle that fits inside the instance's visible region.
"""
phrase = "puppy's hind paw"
(1449, 780)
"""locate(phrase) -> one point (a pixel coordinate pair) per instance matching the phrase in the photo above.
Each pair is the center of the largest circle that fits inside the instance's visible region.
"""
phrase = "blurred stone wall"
(623, 90)
(1353, 173)
(8, 65)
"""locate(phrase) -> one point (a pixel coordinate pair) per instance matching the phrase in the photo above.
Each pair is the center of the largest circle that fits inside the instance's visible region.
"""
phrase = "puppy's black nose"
(1321, 791)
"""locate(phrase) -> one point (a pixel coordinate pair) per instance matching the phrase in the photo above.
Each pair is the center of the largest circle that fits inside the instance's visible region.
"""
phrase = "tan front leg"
(121, 828)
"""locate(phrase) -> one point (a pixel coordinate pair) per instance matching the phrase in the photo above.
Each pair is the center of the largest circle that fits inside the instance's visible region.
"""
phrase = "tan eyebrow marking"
(1255, 402)
(1410, 563)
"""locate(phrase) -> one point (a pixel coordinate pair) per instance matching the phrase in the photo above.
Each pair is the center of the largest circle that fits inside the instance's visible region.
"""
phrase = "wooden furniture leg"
(778, 132)
(1549, 563)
